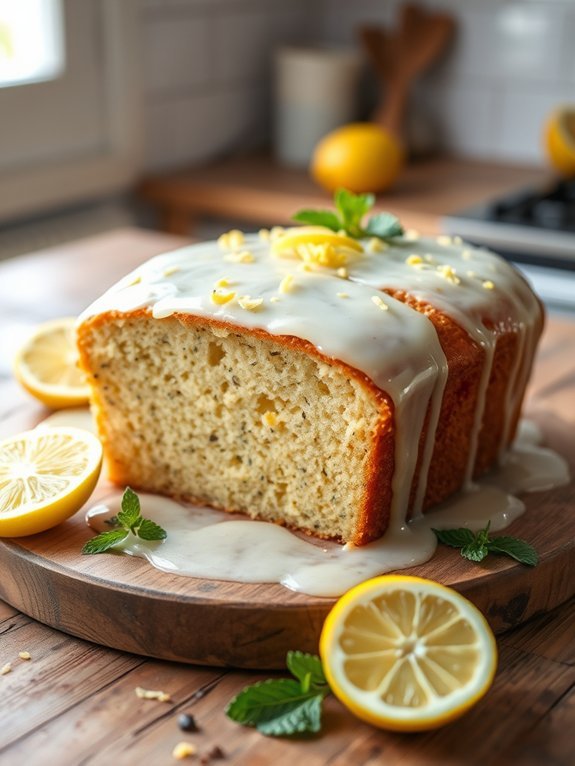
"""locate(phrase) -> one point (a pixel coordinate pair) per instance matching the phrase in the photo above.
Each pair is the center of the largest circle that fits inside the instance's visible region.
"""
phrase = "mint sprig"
(128, 519)
(476, 547)
(281, 707)
(351, 209)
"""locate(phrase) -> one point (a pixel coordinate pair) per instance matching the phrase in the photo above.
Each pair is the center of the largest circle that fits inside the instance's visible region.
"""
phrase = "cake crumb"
(184, 750)
(25, 655)
(211, 755)
(379, 302)
(269, 419)
(148, 694)
(5, 669)
(488, 284)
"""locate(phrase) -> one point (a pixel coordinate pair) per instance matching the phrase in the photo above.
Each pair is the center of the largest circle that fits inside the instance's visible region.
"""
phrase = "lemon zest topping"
(287, 284)
(250, 304)
(275, 299)
(444, 240)
(244, 256)
(264, 235)
(376, 245)
(277, 232)
(488, 284)
(414, 260)
(342, 272)
(231, 240)
(221, 298)
(379, 302)
(223, 282)
(342, 295)
(171, 270)
(411, 235)
(449, 273)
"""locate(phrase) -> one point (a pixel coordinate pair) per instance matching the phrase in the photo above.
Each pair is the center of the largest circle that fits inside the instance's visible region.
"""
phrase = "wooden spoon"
(400, 56)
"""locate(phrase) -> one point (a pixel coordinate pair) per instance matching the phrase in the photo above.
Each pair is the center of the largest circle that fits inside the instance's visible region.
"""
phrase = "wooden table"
(74, 702)
(255, 190)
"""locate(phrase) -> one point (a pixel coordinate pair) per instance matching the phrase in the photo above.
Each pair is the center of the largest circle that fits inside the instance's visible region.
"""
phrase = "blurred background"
(194, 115)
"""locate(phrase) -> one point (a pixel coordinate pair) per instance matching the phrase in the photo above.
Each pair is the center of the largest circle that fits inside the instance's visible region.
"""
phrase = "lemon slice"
(407, 654)
(47, 366)
(46, 475)
(560, 140)
(313, 235)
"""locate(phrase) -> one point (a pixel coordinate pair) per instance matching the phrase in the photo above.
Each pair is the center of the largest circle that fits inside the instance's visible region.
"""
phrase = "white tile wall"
(207, 71)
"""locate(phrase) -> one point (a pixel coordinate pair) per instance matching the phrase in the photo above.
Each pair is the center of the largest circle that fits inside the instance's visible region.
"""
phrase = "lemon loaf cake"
(335, 385)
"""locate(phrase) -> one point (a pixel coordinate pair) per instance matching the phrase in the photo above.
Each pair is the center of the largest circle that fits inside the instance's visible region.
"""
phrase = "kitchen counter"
(74, 702)
(257, 191)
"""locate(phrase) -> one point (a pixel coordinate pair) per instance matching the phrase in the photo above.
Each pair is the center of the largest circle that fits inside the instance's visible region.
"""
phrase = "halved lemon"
(313, 235)
(46, 475)
(560, 140)
(407, 654)
(47, 366)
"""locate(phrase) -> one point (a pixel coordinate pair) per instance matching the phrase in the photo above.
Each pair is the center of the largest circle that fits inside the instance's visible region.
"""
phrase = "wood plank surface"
(74, 703)
(256, 190)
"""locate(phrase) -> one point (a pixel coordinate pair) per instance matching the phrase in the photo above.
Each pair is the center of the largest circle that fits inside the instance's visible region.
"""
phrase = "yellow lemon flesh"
(407, 654)
(361, 157)
(560, 140)
(46, 475)
(46, 366)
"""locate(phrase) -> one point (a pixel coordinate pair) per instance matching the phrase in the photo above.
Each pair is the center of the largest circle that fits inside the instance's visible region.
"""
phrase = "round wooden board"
(124, 603)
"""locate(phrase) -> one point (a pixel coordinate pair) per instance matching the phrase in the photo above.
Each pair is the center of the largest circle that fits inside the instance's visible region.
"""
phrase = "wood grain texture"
(257, 191)
(76, 702)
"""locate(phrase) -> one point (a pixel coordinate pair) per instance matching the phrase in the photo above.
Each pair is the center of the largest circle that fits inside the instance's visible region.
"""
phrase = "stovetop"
(534, 228)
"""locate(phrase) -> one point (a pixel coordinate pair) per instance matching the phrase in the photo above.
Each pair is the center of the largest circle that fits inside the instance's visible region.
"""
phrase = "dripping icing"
(212, 544)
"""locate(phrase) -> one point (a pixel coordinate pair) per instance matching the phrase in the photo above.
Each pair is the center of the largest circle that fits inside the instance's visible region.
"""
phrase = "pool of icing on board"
(212, 544)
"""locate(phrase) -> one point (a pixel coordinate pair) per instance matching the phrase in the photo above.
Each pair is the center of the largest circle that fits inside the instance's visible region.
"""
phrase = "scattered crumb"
(25, 655)
(147, 694)
(212, 755)
(184, 750)
(5, 669)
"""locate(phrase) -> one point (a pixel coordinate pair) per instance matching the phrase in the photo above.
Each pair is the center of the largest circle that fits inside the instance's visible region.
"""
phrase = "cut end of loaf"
(240, 421)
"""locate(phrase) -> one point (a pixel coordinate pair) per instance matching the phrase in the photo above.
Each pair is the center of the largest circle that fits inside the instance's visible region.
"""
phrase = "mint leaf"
(456, 538)
(130, 512)
(515, 548)
(352, 208)
(149, 530)
(130, 520)
(277, 707)
(482, 537)
(302, 665)
(474, 551)
(384, 226)
(103, 542)
(319, 218)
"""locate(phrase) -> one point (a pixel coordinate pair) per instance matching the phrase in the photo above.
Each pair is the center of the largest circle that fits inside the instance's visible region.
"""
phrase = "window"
(31, 41)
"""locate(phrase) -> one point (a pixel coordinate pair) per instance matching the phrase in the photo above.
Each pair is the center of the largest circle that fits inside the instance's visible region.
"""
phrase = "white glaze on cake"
(394, 345)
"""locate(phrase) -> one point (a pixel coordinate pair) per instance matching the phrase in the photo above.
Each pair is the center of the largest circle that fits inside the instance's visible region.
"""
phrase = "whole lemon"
(361, 157)
(559, 137)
